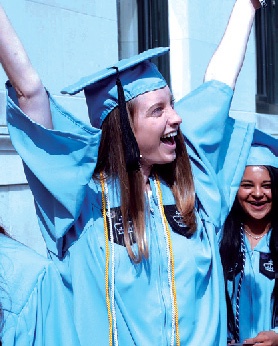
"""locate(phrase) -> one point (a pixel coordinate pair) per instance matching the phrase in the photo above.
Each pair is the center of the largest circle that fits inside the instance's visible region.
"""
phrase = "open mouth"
(169, 138)
(258, 204)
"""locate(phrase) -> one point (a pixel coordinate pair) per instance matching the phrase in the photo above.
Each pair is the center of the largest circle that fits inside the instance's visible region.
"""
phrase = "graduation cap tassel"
(131, 149)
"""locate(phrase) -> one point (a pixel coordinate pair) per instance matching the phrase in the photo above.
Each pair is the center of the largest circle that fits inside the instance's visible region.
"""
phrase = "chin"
(170, 158)
(259, 217)
(163, 159)
(165, 162)
(173, 159)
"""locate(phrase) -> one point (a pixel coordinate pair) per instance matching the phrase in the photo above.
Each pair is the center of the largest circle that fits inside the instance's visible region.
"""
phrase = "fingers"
(266, 338)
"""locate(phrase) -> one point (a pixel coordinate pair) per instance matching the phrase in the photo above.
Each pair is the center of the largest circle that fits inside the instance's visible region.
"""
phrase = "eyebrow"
(251, 181)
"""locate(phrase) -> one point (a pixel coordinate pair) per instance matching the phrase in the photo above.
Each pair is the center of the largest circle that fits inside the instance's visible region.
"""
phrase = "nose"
(173, 117)
(258, 192)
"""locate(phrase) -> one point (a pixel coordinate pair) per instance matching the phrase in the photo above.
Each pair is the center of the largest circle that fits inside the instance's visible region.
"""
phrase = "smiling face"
(254, 194)
(155, 127)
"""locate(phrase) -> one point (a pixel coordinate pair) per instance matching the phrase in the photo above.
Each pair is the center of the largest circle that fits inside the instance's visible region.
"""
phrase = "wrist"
(258, 3)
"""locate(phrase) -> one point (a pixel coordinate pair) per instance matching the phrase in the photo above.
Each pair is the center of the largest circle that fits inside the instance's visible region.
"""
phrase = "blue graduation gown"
(256, 305)
(33, 299)
(59, 165)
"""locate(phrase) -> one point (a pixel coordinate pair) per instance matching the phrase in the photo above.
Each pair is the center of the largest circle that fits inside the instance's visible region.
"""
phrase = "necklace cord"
(255, 236)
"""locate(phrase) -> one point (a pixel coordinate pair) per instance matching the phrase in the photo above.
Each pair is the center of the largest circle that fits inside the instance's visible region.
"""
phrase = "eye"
(267, 186)
(172, 102)
(246, 185)
(157, 111)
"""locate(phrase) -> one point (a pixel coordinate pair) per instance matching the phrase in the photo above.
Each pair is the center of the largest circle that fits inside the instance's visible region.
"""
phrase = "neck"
(146, 171)
(257, 227)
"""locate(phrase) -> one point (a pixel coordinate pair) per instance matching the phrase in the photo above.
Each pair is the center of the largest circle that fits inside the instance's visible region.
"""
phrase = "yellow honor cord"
(107, 295)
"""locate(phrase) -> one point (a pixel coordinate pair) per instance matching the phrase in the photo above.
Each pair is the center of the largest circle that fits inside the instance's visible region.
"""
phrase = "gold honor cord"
(107, 296)
(171, 260)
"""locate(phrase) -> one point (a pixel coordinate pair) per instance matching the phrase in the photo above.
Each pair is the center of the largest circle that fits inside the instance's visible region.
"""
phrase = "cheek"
(241, 195)
(270, 202)
(144, 138)
(147, 142)
(241, 203)
(147, 134)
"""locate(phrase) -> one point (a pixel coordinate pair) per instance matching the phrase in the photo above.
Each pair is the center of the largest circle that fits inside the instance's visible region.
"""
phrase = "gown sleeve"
(218, 146)
(35, 305)
(58, 165)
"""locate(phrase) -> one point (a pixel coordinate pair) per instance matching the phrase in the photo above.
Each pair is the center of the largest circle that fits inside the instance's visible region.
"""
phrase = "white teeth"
(172, 134)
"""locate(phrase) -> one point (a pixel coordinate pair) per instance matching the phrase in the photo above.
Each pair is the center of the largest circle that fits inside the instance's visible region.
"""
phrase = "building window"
(153, 31)
(266, 26)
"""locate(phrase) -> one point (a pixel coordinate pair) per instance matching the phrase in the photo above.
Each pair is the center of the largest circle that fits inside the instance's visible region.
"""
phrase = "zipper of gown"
(151, 201)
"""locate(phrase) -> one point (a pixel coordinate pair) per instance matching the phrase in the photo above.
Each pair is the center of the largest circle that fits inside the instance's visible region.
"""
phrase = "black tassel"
(131, 149)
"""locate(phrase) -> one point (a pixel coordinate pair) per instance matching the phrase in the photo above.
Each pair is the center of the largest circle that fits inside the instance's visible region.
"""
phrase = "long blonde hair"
(177, 175)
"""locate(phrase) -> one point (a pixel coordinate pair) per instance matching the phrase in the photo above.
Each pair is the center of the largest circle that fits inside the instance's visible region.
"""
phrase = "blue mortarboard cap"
(264, 150)
(137, 74)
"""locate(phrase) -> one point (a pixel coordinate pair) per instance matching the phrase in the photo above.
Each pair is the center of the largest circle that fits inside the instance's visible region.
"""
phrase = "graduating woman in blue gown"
(130, 207)
(34, 309)
(249, 248)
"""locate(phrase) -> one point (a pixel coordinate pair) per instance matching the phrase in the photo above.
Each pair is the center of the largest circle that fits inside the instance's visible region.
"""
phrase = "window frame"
(266, 31)
(153, 31)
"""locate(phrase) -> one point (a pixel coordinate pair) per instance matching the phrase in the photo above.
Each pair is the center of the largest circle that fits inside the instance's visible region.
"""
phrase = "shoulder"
(21, 270)
(36, 308)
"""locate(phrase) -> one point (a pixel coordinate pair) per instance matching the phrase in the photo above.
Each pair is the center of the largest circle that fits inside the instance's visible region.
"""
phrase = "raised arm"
(227, 60)
(32, 97)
